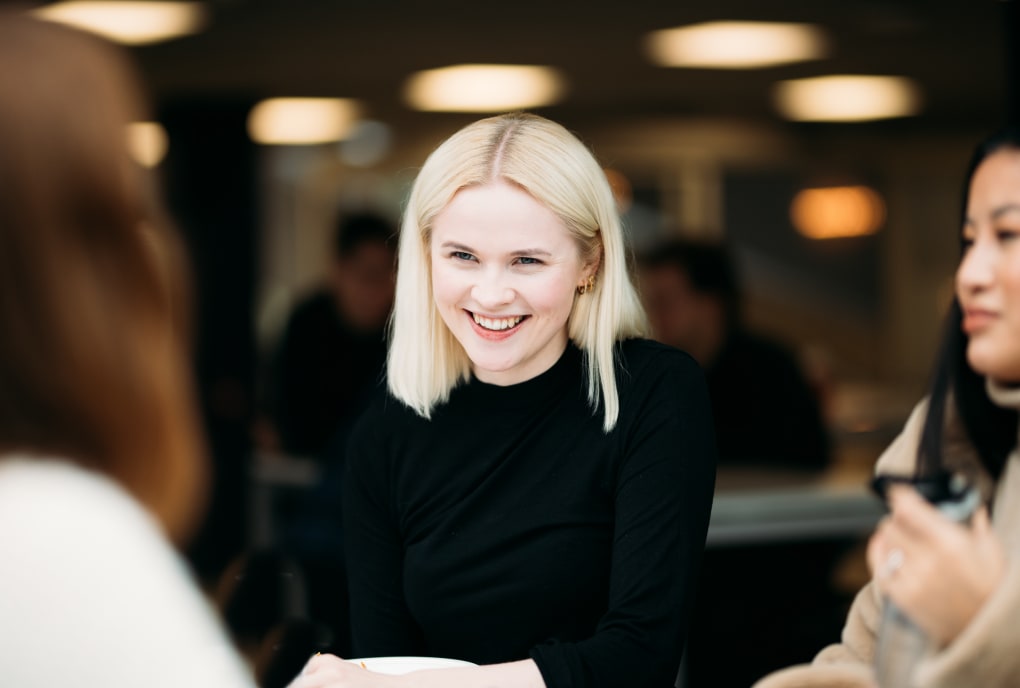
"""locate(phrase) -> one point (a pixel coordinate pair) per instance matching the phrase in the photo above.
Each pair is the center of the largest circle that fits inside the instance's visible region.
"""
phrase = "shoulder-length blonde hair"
(544, 159)
(93, 358)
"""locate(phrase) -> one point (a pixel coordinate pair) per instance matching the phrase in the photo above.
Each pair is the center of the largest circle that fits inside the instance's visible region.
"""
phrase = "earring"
(587, 286)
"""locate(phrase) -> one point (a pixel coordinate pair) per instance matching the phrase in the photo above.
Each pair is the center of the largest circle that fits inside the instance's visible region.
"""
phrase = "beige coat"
(987, 652)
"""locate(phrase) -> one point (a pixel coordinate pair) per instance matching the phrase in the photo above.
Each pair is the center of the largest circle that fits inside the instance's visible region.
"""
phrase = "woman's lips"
(975, 320)
(493, 335)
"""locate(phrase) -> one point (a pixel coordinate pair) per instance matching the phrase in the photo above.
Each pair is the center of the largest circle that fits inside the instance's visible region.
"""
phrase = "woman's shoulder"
(58, 506)
(900, 457)
(48, 487)
(385, 410)
(91, 565)
(639, 357)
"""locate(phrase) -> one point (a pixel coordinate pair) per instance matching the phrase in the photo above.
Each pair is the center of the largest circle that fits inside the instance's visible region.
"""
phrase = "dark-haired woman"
(959, 584)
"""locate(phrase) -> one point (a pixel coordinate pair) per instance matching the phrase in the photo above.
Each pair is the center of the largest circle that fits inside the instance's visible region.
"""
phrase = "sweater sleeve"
(381, 623)
(662, 504)
(984, 653)
(850, 660)
(93, 594)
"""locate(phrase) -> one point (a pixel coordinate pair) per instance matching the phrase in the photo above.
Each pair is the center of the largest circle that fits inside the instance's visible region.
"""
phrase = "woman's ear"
(591, 267)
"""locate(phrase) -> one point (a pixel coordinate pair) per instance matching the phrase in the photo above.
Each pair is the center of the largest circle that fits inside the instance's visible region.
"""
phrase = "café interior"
(825, 143)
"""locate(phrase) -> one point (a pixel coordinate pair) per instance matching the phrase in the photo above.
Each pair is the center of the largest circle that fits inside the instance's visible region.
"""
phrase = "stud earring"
(587, 286)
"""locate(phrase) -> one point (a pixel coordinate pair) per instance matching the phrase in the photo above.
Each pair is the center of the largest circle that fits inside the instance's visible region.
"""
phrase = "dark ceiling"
(366, 48)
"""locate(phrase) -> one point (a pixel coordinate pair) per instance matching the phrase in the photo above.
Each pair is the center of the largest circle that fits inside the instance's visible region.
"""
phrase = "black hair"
(707, 266)
(356, 229)
(991, 429)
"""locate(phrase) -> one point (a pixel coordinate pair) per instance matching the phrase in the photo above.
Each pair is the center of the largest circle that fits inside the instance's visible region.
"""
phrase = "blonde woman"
(532, 494)
(101, 462)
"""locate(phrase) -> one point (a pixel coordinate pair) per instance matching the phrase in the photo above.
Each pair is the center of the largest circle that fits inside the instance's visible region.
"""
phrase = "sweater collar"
(1007, 396)
(560, 377)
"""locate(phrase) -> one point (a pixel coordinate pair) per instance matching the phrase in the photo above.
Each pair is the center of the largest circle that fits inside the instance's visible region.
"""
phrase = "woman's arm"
(374, 552)
(664, 489)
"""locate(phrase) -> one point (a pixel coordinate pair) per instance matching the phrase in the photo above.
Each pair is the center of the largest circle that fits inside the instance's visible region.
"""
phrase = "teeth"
(497, 324)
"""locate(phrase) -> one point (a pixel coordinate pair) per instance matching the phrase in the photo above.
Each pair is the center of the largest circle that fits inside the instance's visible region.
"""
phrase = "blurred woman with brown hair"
(101, 460)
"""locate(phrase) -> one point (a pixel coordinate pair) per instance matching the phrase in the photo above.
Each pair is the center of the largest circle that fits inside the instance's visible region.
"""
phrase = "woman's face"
(988, 279)
(504, 274)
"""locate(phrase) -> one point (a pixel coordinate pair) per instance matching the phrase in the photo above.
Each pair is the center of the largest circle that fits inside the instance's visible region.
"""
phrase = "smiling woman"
(507, 305)
(532, 492)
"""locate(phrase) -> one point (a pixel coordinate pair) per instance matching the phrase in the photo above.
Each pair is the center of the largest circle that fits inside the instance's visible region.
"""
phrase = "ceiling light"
(483, 88)
(837, 212)
(147, 142)
(847, 98)
(736, 45)
(133, 23)
(291, 121)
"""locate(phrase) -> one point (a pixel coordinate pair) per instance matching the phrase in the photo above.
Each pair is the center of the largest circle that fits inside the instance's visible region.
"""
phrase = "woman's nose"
(977, 268)
(492, 290)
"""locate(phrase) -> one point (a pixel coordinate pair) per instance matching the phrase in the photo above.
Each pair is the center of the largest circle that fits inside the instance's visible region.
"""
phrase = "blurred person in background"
(331, 354)
(532, 492)
(328, 363)
(767, 418)
(766, 413)
(959, 584)
(102, 467)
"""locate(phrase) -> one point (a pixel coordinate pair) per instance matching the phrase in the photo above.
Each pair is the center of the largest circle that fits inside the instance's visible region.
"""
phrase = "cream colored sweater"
(987, 652)
(92, 594)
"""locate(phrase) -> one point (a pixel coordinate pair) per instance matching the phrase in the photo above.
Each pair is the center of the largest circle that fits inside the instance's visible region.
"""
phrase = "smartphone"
(950, 493)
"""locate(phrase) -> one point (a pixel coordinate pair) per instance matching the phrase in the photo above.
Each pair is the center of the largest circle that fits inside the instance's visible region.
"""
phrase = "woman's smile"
(496, 329)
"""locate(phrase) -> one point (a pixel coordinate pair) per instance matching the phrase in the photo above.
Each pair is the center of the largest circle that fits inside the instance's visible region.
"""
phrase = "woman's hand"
(938, 572)
(329, 671)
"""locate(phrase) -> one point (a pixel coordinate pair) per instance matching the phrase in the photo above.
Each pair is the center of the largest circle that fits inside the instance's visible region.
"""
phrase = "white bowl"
(404, 665)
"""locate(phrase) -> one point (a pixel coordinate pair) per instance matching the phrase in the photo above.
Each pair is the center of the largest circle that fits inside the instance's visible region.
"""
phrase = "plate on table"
(404, 665)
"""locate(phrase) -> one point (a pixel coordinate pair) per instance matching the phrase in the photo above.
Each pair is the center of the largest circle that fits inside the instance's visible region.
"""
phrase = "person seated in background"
(329, 360)
(331, 354)
(958, 584)
(101, 459)
(765, 412)
(766, 417)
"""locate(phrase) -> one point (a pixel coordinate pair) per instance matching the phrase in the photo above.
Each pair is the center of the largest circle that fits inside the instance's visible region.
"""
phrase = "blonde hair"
(544, 159)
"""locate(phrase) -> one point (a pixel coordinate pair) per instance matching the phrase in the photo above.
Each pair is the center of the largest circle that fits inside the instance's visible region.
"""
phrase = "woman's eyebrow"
(530, 252)
(456, 247)
(1005, 209)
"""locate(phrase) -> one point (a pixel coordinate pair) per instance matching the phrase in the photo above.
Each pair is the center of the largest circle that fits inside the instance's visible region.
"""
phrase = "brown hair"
(92, 368)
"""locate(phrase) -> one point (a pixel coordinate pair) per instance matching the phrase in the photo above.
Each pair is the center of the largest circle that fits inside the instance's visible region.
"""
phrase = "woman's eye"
(462, 255)
(528, 260)
(1006, 234)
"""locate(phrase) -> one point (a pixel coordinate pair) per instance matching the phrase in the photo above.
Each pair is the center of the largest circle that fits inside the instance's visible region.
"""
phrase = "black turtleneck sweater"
(511, 526)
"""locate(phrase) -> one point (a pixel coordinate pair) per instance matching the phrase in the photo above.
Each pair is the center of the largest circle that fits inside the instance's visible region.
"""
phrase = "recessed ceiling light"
(736, 45)
(133, 23)
(295, 121)
(837, 212)
(847, 98)
(484, 88)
